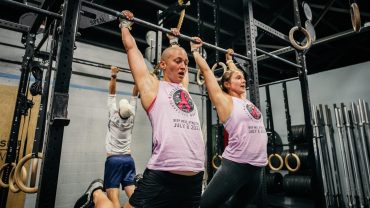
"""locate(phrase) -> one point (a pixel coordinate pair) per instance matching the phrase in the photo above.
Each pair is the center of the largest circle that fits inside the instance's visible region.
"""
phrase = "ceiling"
(330, 17)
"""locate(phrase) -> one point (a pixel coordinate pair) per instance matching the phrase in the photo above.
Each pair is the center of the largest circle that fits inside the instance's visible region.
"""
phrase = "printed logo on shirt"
(186, 116)
(183, 101)
(253, 111)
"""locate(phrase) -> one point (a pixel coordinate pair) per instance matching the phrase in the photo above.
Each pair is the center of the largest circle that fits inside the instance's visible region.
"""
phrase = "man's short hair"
(166, 53)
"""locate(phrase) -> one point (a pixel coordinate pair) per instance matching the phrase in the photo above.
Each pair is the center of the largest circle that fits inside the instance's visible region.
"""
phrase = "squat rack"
(21, 97)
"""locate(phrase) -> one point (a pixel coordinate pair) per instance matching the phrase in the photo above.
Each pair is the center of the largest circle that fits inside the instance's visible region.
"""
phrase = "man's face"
(175, 65)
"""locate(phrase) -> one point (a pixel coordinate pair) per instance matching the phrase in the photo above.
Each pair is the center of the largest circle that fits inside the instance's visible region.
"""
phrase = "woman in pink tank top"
(239, 178)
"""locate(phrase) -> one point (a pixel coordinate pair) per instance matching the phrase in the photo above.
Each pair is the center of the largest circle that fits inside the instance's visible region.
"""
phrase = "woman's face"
(237, 83)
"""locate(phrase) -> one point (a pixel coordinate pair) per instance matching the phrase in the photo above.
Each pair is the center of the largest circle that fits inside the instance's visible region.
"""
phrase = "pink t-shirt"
(177, 138)
(247, 134)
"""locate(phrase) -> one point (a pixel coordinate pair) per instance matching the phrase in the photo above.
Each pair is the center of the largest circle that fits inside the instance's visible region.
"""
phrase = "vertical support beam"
(209, 139)
(208, 106)
(38, 141)
(270, 120)
(20, 102)
(159, 39)
(302, 75)
(269, 117)
(253, 83)
(216, 22)
(199, 21)
(287, 118)
(250, 39)
(59, 103)
(218, 132)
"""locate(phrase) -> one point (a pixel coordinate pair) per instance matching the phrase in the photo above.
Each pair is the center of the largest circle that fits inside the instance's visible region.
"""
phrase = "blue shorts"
(119, 169)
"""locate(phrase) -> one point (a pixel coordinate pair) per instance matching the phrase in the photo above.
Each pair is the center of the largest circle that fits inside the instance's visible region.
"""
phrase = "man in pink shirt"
(173, 177)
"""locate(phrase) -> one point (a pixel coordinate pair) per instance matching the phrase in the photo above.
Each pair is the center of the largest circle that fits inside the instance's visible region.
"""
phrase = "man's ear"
(162, 65)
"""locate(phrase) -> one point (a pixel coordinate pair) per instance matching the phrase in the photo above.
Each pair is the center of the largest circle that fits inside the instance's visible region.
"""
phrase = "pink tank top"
(247, 134)
(177, 138)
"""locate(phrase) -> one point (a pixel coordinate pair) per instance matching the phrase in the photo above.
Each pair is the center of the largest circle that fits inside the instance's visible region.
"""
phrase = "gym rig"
(62, 24)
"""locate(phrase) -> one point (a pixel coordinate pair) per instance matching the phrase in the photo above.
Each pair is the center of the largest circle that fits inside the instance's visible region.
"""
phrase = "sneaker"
(86, 200)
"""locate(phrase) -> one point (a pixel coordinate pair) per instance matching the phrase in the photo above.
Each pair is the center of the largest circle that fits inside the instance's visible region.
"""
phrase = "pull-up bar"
(32, 8)
(144, 23)
(278, 58)
(156, 27)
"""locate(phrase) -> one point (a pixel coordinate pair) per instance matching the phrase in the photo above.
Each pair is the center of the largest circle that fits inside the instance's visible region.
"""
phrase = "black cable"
(19, 148)
(28, 126)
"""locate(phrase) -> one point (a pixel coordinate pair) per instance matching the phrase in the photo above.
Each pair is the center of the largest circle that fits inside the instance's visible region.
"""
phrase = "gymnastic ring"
(280, 160)
(214, 161)
(287, 162)
(305, 33)
(12, 184)
(34, 168)
(2, 183)
(199, 81)
(224, 68)
(17, 173)
(355, 17)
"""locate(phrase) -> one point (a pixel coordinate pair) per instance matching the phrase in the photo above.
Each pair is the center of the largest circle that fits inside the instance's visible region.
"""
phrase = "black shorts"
(164, 189)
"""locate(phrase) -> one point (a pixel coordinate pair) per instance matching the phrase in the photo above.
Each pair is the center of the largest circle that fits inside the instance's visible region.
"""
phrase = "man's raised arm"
(146, 84)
